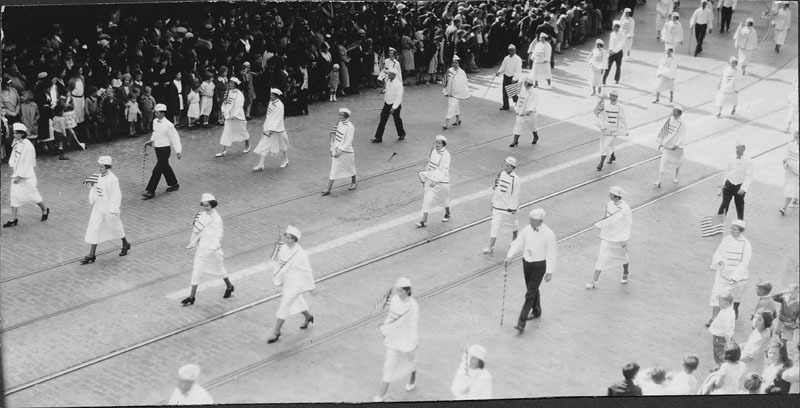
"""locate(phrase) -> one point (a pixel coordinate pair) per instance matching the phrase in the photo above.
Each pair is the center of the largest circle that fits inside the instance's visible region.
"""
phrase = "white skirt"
(663, 84)
(25, 192)
(525, 124)
(206, 103)
(453, 107)
(744, 56)
(343, 166)
(103, 227)
(208, 267)
(79, 103)
(670, 159)
(291, 304)
(502, 219)
(791, 185)
(234, 131)
(541, 71)
(628, 44)
(438, 195)
(722, 286)
(611, 255)
(194, 110)
(596, 80)
(272, 145)
(724, 99)
(780, 37)
(398, 364)
(607, 144)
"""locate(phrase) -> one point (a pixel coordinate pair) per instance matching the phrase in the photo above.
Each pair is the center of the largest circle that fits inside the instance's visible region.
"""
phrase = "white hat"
(614, 92)
(42, 75)
(345, 110)
(392, 49)
(276, 91)
(512, 47)
(236, 81)
(616, 22)
(403, 283)
(627, 10)
(160, 107)
(678, 107)
(599, 41)
(512, 161)
(400, 6)
(104, 160)
(732, 59)
(116, 83)
(19, 127)
(676, 14)
(455, 58)
(189, 372)
(293, 231)
(750, 20)
(617, 191)
(246, 64)
(529, 79)
(738, 223)
(537, 214)
(441, 137)
(477, 351)
(335, 66)
(207, 197)
(188, 35)
(739, 143)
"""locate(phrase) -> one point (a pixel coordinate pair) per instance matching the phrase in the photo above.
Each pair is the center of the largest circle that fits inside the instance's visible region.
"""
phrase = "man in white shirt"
(505, 202)
(538, 245)
(188, 392)
(392, 100)
(738, 177)
(616, 43)
(615, 233)
(702, 22)
(727, 7)
(511, 68)
(163, 139)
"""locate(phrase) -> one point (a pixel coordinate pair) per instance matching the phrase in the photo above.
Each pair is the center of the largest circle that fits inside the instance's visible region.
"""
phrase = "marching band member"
(343, 162)
(104, 222)
(23, 177)
(505, 202)
(436, 181)
(455, 89)
(612, 122)
(615, 234)
(671, 141)
(274, 139)
(295, 275)
(401, 337)
(235, 129)
(525, 109)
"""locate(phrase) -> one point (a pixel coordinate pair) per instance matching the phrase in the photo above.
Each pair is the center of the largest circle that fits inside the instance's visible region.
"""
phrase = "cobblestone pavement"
(119, 302)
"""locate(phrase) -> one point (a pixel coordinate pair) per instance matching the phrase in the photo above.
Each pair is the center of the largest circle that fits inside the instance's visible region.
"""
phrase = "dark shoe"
(188, 301)
(228, 292)
(148, 195)
(63, 158)
(403, 137)
(535, 138)
(273, 338)
(612, 158)
(173, 188)
(533, 316)
(308, 321)
(504, 108)
(326, 193)
(88, 259)
(125, 249)
(46, 214)
(11, 223)
(514, 144)
(376, 140)
(520, 329)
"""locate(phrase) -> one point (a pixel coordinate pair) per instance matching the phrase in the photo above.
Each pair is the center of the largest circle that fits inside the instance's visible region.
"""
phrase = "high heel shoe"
(11, 223)
(88, 259)
(46, 214)
(274, 338)
(188, 301)
(513, 144)
(308, 321)
(125, 249)
(228, 292)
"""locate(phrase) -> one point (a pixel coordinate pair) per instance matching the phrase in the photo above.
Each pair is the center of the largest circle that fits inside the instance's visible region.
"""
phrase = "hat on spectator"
(104, 36)
(104, 160)
(335, 66)
(512, 47)
(456, 59)
(236, 81)
(247, 64)
(160, 107)
(345, 110)
(189, 372)
(537, 214)
(615, 23)
(512, 161)
(19, 127)
(188, 35)
(275, 91)
(400, 7)
(209, 27)
(42, 75)
(617, 191)
(293, 231)
(392, 49)
(116, 83)
(181, 30)
(207, 197)
(103, 43)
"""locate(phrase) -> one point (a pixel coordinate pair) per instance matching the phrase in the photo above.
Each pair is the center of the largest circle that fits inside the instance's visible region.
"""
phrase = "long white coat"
(207, 232)
(104, 221)
(23, 161)
(296, 277)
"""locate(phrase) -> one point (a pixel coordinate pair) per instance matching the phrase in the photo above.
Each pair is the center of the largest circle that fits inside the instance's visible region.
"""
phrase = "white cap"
(616, 22)
(236, 81)
(455, 58)
(512, 161)
(345, 110)
(392, 49)
(738, 223)
(335, 66)
(676, 14)
(599, 41)
(512, 47)
(614, 92)
(627, 10)
(160, 107)
(403, 283)
(207, 197)
(678, 107)
(19, 127)
(617, 191)
(276, 91)
(477, 351)
(732, 59)
(442, 138)
(537, 214)
(739, 143)
(104, 160)
(749, 20)
(293, 231)
(247, 64)
(189, 372)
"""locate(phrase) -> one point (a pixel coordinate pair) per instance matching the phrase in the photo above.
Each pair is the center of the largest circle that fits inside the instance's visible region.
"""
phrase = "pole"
(144, 163)
(503, 299)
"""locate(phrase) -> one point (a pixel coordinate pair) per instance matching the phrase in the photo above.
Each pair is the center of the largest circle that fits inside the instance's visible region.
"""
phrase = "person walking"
(235, 129)
(730, 263)
(737, 178)
(627, 26)
(400, 332)
(728, 87)
(505, 202)
(664, 10)
(746, 41)
(472, 380)
(598, 62)
(537, 242)
(671, 141)
(456, 89)
(436, 181)
(274, 138)
(525, 109)
(616, 43)
(781, 23)
(702, 22)
(188, 392)
(615, 235)
(392, 104)
(727, 7)
(104, 221)
(542, 54)
(164, 139)
(23, 176)
(296, 277)
(793, 111)
(612, 121)
(665, 75)
(511, 68)
(672, 32)
(343, 161)
(207, 231)
(791, 178)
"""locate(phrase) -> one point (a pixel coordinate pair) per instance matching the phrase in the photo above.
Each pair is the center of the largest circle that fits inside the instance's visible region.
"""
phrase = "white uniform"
(791, 181)
(727, 93)
(525, 120)
(615, 229)
(505, 199)
(598, 61)
(672, 34)
(342, 143)
(735, 253)
(746, 41)
(206, 236)
(278, 140)
(437, 171)
(206, 97)
(197, 395)
(542, 53)
(390, 64)
(471, 384)
(665, 75)
(455, 89)
(793, 113)
(401, 338)
(612, 122)
(104, 221)
(235, 122)
(781, 24)
(626, 27)
(672, 135)
(297, 277)
(23, 161)
(663, 12)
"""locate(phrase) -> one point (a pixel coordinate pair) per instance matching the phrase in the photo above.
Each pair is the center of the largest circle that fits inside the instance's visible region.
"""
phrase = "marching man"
(615, 233)
(505, 202)
(104, 222)
(343, 161)
(627, 25)
(164, 139)
(511, 68)
(525, 108)
(455, 89)
(23, 178)
(613, 122)
(472, 380)
(235, 129)
(671, 141)
(274, 139)
(436, 181)
(400, 333)
(672, 32)
(746, 41)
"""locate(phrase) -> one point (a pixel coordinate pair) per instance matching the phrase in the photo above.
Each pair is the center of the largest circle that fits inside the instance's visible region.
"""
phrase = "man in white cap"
(663, 14)
(392, 104)
(728, 87)
(207, 230)
(736, 181)
(598, 62)
(781, 23)
(400, 332)
(615, 234)
(616, 43)
(525, 109)
(727, 7)
(235, 129)
(293, 272)
(455, 89)
(436, 181)
(730, 262)
(23, 177)
(274, 139)
(746, 41)
(626, 27)
(537, 242)
(511, 68)
(164, 139)
(104, 221)
(613, 122)
(343, 162)
(702, 22)
(672, 32)
(505, 202)
(671, 141)
(188, 391)
(472, 381)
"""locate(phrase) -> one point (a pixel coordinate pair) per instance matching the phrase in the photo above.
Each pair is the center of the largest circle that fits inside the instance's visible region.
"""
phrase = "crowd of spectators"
(105, 83)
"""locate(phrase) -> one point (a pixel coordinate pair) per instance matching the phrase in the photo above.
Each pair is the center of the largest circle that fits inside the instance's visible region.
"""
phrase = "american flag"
(92, 180)
(598, 109)
(663, 133)
(513, 89)
(712, 225)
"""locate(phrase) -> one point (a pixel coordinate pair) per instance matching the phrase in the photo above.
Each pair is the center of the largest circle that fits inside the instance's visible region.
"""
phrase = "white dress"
(104, 221)
(235, 129)
(727, 93)
(598, 61)
(342, 141)
(663, 11)
(278, 140)
(505, 199)
(206, 97)
(791, 181)
(197, 395)
(735, 253)
(207, 231)
(527, 101)
(194, 104)
(612, 122)
(672, 135)
(296, 277)
(746, 42)
(781, 24)
(23, 161)
(615, 229)
(665, 75)
(627, 26)
(455, 89)
(542, 52)
(437, 171)
(672, 34)
(401, 338)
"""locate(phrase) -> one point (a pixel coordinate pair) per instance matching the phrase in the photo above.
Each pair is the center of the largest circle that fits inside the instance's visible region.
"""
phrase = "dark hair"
(630, 370)
(691, 361)
(657, 375)
(752, 382)
(407, 289)
(773, 389)
(213, 203)
(481, 364)
(766, 314)
(733, 353)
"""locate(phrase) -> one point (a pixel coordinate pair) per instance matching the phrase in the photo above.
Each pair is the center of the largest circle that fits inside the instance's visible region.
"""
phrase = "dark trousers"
(699, 35)
(398, 122)
(534, 273)
(507, 80)
(731, 191)
(162, 167)
(727, 15)
(612, 58)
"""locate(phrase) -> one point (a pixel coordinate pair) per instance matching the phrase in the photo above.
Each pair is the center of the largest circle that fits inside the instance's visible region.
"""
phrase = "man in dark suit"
(626, 387)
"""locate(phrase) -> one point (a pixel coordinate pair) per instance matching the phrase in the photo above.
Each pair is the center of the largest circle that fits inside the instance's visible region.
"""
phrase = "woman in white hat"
(455, 89)
(615, 234)
(104, 221)
(663, 14)
(671, 141)
(627, 25)
(207, 231)
(525, 108)
(791, 180)
(235, 129)
(472, 380)
(188, 392)
(274, 139)
(730, 262)
(343, 161)
(436, 181)
(293, 272)
(400, 332)
(746, 41)
(665, 75)
(598, 62)
(728, 87)
(613, 122)
(781, 23)
(23, 177)
(672, 32)
(541, 52)
(505, 202)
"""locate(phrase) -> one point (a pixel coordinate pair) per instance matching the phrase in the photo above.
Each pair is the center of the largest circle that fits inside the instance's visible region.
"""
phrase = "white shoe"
(623, 281)
(590, 285)
(221, 154)
(410, 387)
(674, 180)
(488, 250)
(379, 398)
(446, 218)
(82, 145)
(246, 150)
(284, 164)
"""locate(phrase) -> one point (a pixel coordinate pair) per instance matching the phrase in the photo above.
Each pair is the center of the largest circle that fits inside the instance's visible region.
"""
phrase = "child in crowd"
(29, 114)
(70, 123)
(112, 109)
(333, 82)
(789, 317)
(60, 130)
(684, 382)
(723, 326)
(132, 113)
(193, 99)
(420, 62)
(765, 301)
(206, 98)
(147, 105)
(654, 382)
(91, 112)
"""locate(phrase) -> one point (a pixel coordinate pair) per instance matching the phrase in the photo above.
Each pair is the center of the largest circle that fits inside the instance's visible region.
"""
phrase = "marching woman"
(672, 32)
(727, 92)
(791, 181)
(401, 337)
(542, 53)
(665, 75)
(295, 275)
(746, 41)
(598, 62)
(208, 258)
(730, 262)
(615, 234)
(671, 141)
(455, 89)
(104, 222)
(343, 161)
(436, 181)
(235, 129)
(613, 122)
(472, 380)
(781, 23)
(23, 178)
(274, 138)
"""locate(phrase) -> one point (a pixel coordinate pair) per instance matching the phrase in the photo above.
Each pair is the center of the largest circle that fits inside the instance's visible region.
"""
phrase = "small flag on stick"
(513, 89)
(598, 109)
(711, 225)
